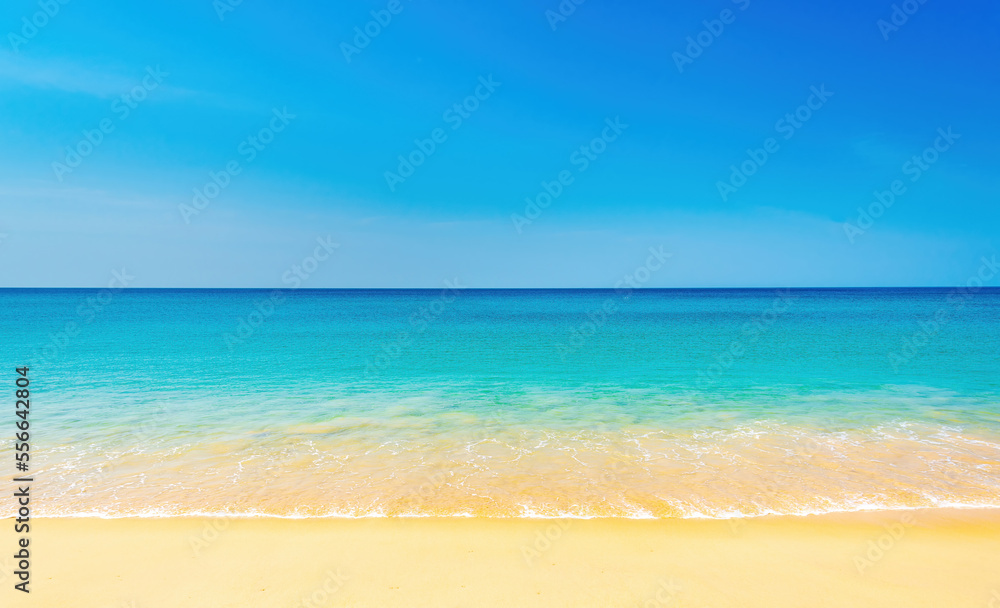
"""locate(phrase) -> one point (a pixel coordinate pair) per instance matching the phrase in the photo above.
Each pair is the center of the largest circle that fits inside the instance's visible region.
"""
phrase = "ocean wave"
(748, 470)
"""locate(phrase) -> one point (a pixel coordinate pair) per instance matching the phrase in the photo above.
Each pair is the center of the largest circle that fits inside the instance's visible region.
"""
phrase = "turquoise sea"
(507, 403)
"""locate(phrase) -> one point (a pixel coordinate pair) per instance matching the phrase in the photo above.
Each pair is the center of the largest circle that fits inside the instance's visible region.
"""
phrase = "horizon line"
(294, 289)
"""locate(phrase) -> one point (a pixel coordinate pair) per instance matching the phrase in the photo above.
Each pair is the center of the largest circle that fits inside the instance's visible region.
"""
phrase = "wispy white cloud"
(39, 192)
(101, 82)
(64, 76)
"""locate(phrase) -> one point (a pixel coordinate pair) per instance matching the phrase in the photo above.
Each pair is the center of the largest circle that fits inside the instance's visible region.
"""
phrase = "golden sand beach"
(929, 558)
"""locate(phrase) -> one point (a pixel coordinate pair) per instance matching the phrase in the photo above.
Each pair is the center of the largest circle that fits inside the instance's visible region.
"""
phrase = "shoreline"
(917, 557)
(975, 512)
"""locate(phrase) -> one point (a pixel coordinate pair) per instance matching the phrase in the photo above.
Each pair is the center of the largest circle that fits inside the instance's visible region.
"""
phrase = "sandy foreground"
(939, 558)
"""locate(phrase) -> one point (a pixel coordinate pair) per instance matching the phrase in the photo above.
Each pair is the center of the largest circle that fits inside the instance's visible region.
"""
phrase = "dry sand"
(939, 558)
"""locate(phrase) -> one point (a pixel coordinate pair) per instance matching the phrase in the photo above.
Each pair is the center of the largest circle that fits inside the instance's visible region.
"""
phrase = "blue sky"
(198, 87)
